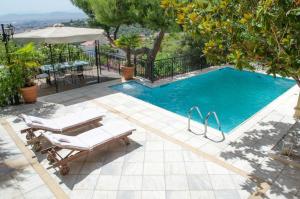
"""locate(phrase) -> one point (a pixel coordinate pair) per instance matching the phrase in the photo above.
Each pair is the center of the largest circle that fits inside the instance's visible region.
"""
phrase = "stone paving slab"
(18, 179)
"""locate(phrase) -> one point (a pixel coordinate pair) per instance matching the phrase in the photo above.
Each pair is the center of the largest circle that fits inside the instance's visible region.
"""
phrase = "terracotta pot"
(128, 72)
(29, 94)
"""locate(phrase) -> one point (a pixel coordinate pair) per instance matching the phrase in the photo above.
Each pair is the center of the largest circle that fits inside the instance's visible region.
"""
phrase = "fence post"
(119, 66)
(152, 71)
(107, 64)
(172, 71)
(99, 56)
(134, 62)
(97, 60)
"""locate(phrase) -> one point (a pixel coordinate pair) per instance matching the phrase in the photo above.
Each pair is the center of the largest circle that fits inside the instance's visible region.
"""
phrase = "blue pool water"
(234, 95)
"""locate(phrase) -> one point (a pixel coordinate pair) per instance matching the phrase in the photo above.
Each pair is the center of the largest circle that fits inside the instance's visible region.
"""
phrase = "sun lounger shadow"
(104, 160)
(43, 109)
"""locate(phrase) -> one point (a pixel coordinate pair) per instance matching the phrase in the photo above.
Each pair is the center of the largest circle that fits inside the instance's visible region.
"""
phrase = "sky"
(35, 6)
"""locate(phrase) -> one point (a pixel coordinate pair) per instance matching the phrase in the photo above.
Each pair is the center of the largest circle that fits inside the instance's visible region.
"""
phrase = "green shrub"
(10, 81)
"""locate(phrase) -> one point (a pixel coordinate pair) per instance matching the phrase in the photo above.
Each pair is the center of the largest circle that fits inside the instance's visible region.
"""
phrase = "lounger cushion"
(40, 123)
(116, 127)
(111, 129)
(95, 137)
(78, 119)
(65, 142)
(63, 123)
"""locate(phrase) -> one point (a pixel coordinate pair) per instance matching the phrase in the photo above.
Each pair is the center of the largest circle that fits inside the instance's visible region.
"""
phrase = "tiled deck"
(18, 179)
(167, 161)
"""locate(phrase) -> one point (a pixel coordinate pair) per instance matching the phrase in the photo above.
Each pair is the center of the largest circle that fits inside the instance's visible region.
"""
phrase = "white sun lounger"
(62, 124)
(84, 143)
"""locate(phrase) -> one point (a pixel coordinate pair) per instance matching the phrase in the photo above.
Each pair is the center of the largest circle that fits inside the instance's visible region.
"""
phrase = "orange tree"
(245, 32)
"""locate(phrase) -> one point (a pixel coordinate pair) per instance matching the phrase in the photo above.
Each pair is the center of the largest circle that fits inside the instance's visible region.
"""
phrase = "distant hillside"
(24, 22)
(53, 16)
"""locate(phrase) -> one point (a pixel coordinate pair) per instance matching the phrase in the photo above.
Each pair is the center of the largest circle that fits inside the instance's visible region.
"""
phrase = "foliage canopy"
(245, 32)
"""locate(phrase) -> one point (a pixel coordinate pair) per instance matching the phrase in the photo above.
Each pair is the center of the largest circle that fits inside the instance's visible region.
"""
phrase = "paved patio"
(164, 160)
(18, 178)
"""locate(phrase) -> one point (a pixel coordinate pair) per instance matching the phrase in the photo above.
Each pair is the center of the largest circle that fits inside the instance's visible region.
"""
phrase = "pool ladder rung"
(204, 122)
(190, 116)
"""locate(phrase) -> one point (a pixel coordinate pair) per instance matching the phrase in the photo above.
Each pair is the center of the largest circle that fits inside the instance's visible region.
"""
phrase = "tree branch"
(280, 48)
(116, 32)
(110, 39)
(142, 51)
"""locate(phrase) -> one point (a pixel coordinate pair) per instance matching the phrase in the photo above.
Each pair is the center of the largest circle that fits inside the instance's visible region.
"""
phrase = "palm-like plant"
(26, 60)
(128, 43)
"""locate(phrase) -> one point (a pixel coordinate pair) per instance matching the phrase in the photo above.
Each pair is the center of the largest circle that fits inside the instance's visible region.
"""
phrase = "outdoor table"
(65, 65)
(77, 65)
(80, 65)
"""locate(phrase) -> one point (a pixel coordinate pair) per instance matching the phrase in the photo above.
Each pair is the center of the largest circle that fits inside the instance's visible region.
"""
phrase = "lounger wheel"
(37, 146)
(51, 158)
(29, 135)
(64, 170)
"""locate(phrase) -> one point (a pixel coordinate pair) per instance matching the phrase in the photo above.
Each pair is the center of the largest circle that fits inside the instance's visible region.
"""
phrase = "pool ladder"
(204, 121)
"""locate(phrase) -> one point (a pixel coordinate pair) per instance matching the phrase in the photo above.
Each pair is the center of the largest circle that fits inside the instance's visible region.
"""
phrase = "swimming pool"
(234, 95)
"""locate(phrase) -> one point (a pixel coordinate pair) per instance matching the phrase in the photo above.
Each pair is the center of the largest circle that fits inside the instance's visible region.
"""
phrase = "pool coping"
(179, 77)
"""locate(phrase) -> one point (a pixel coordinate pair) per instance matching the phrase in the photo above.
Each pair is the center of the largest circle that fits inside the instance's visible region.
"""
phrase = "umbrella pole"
(97, 59)
(69, 53)
(99, 56)
(52, 64)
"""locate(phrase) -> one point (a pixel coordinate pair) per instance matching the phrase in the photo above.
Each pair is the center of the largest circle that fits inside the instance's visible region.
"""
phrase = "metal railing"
(218, 123)
(170, 67)
(112, 61)
(190, 116)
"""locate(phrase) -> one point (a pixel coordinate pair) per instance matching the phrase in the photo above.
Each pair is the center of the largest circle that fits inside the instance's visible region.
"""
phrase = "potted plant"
(128, 43)
(26, 61)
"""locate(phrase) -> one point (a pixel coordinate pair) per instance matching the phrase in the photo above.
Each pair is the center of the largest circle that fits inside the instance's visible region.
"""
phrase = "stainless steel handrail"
(190, 116)
(217, 120)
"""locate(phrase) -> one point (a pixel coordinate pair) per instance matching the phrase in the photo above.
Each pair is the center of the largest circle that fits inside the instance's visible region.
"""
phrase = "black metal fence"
(160, 69)
(71, 68)
(170, 67)
(84, 63)
(112, 61)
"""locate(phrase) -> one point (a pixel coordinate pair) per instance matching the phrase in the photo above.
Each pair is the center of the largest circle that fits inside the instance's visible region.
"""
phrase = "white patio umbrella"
(59, 34)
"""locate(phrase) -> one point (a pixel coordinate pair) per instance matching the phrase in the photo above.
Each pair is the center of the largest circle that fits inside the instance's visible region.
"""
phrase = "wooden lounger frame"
(34, 140)
(61, 162)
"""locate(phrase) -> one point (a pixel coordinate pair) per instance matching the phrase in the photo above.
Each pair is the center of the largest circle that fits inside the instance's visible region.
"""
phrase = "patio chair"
(84, 143)
(88, 71)
(69, 122)
(40, 77)
(77, 73)
(61, 78)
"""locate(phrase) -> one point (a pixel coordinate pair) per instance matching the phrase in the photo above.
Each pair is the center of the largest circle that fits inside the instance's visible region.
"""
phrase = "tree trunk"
(109, 38)
(128, 53)
(297, 108)
(153, 52)
(116, 32)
